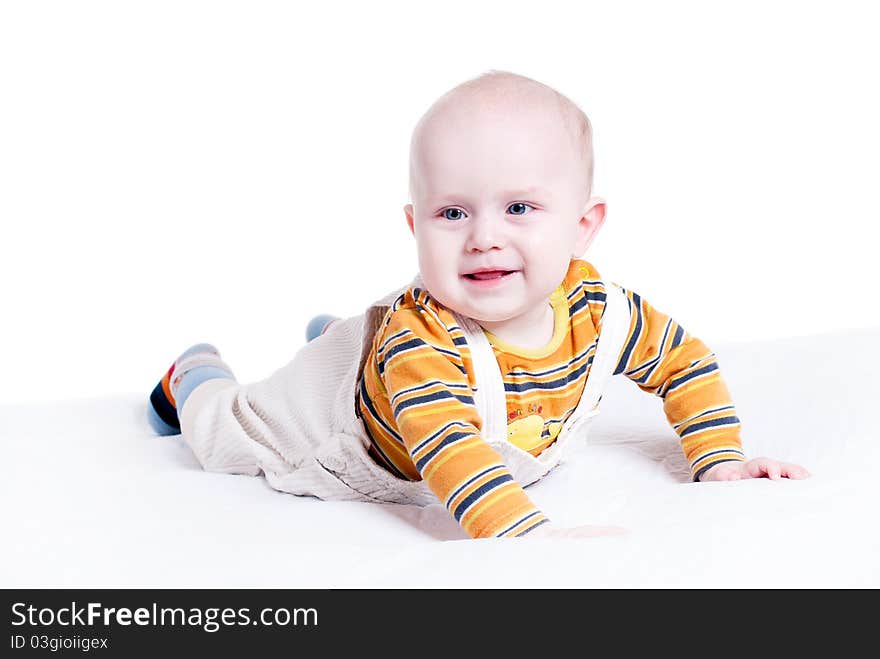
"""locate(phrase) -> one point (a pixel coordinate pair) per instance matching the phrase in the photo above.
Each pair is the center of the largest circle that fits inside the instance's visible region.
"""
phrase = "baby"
(467, 384)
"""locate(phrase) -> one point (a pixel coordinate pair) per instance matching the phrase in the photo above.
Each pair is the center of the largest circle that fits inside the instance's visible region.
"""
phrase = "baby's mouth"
(489, 274)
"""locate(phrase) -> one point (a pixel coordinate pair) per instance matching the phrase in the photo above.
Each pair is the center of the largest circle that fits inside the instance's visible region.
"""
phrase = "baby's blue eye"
(519, 204)
(460, 214)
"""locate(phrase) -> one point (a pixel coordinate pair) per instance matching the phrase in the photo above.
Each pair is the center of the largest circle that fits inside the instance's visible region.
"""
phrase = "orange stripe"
(167, 389)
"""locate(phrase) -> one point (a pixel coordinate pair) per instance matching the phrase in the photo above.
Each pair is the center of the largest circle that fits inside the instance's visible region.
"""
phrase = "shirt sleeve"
(432, 401)
(663, 359)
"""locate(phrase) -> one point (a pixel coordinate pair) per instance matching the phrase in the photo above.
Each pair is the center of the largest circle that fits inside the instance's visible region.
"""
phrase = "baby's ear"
(408, 210)
(591, 220)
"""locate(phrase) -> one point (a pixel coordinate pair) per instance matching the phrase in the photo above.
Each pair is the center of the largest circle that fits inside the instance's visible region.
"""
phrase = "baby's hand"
(755, 468)
(548, 531)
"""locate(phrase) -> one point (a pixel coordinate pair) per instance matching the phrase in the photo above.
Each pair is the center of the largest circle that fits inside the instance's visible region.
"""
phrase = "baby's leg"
(197, 364)
(272, 426)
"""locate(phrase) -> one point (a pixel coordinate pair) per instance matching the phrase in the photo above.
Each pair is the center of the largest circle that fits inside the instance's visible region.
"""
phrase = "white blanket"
(91, 498)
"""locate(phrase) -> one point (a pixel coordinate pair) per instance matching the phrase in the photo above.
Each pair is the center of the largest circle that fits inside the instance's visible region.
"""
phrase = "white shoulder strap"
(489, 396)
(612, 336)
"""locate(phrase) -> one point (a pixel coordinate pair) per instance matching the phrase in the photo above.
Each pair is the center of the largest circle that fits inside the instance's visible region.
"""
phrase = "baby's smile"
(489, 277)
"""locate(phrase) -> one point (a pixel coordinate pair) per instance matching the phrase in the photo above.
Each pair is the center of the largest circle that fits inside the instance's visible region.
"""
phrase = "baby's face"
(503, 194)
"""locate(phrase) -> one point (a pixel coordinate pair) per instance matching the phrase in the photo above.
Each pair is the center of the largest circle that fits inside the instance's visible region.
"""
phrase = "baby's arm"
(432, 403)
(663, 359)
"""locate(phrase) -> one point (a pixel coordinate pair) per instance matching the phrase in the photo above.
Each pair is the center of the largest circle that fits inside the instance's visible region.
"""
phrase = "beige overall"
(300, 429)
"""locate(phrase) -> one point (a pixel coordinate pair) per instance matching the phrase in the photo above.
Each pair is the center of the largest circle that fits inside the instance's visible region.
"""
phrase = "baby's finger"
(794, 471)
(756, 468)
(759, 467)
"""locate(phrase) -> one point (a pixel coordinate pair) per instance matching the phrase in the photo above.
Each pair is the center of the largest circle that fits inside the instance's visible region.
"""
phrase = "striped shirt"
(416, 396)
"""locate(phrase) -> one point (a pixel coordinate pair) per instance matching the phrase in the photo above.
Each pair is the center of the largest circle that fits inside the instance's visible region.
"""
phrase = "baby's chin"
(488, 306)
(487, 313)
(469, 310)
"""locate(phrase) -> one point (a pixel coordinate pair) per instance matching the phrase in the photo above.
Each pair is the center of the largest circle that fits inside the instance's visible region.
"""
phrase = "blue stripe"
(723, 421)
(389, 463)
(376, 417)
(450, 353)
(518, 372)
(532, 528)
(414, 344)
(442, 430)
(432, 383)
(635, 336)
(588, 298)
(553, 384)
(577, 306)
(451, 438)
(392, 338)
(471, 480)
(479, 492)
(651, 362)
(595, 296)
(712, 410)
(718, 452)
(411, 344)
(679, 335)
(690, 376)
(427, 398)
(514, 525)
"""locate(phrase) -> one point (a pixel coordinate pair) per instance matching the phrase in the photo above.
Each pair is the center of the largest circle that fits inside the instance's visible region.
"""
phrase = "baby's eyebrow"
(533, 190)
(502, 195)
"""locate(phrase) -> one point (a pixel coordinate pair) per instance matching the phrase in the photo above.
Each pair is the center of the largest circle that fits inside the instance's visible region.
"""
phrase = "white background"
(176, 172)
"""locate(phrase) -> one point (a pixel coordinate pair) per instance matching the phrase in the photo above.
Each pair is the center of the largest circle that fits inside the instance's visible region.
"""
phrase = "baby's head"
(500, 177)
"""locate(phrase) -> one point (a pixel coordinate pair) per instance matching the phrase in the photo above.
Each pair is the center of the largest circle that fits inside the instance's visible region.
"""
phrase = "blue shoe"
(158, 424)
(318, 325)
(162, 409)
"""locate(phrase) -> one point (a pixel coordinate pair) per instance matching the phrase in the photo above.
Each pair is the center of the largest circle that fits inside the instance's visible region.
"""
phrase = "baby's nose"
(485, 233)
